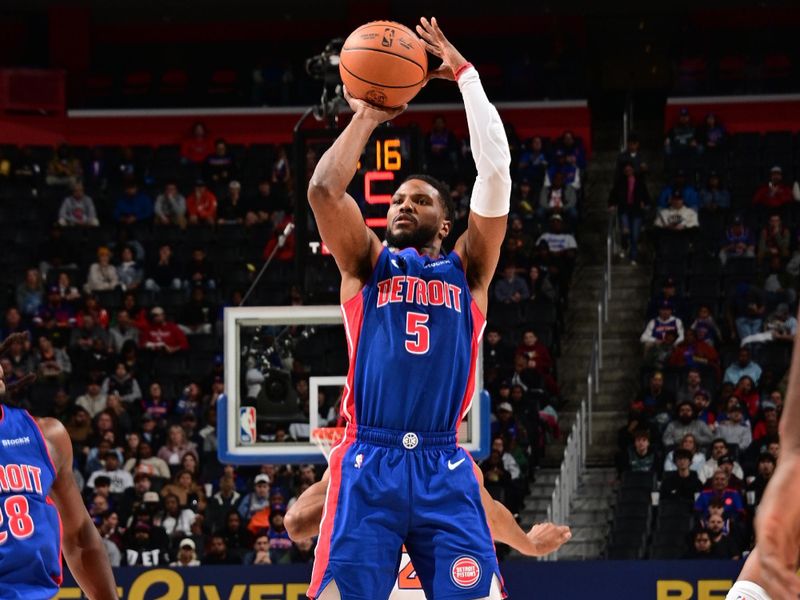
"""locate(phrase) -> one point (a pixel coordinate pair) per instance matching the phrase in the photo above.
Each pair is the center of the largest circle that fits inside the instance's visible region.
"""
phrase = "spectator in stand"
(686, 422)
(557, 198)
(133, 206)
(764, 472)
(735, 430)
(712, 136)
(562, 245)
(681, 139)
(743, 366)
(52, 364)
(123, 383)
(28, 170)
(177, 447)
(221, 503)
(143, 549)
(198, 146)
(655, 401)
(146, 464)
(231, 210)
(511, 289)
(773, 194)
(170, 208)
(768, 425)
(162, 335)
(103, 276)
(680, 183)
(702, 407)
(705, 327)
(56, 317)
(63, 169)
(256, 500)
(260, 554)
(734, 505)
(200, 271)
(218, 554)
(201, 205)
(778, 285)
(656, 331)
(669, 293)
(691, 352)
(120, 478)
(780, 326)
(441, 150)
(774, 240)
(265, 206)
(714, 198)
(722, 546)
(285, 254)
(524, 201)
(746, 307)
(701, 546)
(573, 149)
(220, 167)
(532, 163)
(187, 555)
(678, 218)
(279, 542)
(718, 449)
(697, 458)
(632, 156)
(630, 199)
(683, 482)
(77, 209)
(123, 331)
(96, 170)
(190, 494)
(196, 315)
(737, 241)
(129, 272)
(94, 400)
(30, 293)
(176, 521)
(639, 457)
(164, 273)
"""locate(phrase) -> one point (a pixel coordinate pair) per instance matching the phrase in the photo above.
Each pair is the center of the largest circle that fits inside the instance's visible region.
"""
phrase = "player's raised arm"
(83, 548)
(341, 225)
(480, 245)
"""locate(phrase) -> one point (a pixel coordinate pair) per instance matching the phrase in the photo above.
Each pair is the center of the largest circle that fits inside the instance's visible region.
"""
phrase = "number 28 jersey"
(30, 527)
(413, 333)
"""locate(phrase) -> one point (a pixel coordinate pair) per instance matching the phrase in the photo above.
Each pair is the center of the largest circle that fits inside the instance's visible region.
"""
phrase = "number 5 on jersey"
(415, 326)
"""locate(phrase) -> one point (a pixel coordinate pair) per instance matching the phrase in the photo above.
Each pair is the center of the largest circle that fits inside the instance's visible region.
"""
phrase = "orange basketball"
(384, 63)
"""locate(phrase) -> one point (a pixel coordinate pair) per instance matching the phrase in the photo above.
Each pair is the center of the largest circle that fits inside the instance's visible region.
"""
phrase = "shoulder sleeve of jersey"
(454, 256)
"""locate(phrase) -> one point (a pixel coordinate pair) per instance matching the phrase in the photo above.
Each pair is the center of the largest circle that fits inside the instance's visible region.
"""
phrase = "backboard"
(267, 413)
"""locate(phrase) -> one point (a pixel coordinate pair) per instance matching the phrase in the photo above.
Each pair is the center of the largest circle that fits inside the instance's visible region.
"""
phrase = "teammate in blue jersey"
(414, 316)
(42, 512)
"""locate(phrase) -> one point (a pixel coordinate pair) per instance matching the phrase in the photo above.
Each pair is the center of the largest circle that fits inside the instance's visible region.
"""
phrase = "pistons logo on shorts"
(465, 572)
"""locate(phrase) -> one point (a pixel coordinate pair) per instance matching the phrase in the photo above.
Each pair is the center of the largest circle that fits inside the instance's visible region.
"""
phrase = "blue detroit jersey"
(30, 532)
(413, 332)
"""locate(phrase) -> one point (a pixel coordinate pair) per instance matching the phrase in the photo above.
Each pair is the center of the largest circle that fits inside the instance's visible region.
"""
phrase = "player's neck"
(432, 250)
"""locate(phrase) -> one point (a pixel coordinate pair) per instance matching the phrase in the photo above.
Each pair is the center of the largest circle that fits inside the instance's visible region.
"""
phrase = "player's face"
(416, 217)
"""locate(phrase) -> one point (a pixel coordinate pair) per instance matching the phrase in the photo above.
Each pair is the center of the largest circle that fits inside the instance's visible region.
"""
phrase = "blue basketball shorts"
(388, 488)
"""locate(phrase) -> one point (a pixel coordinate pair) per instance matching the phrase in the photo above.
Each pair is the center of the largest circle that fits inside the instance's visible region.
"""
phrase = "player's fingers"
(437, 30)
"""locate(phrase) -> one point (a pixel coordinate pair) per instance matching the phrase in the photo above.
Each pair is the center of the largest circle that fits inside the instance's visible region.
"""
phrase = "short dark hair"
(442, 189)
(641, 433)
(682, 453)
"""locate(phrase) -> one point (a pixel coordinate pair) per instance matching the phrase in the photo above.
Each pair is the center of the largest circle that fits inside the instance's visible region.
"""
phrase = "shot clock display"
(391, 154)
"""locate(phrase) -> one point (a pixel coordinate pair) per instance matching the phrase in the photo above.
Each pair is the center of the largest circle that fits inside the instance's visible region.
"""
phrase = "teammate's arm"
(778, 515)
(304, 516)
(82, 546)
(479, 246)
(354, 245)
(541, 540)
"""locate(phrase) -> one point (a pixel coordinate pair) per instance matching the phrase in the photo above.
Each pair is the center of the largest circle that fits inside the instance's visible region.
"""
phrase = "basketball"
(384, 63)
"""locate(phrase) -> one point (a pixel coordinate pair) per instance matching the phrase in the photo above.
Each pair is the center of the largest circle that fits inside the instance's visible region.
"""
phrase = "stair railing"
(580, 436)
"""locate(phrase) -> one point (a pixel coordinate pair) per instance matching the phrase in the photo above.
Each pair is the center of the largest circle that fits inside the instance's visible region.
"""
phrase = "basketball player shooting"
(42, 510)
(413, 317)
(770, 572)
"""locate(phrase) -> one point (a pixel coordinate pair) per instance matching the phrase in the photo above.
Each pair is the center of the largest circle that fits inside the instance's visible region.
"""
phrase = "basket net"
(326, 438)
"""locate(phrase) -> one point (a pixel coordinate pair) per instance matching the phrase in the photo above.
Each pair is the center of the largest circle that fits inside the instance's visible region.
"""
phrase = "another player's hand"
(548, 537)
(778, 530)
(378, 114)
(439, 46)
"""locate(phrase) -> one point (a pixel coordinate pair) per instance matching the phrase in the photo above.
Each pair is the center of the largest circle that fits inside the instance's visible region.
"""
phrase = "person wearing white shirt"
(677, 217)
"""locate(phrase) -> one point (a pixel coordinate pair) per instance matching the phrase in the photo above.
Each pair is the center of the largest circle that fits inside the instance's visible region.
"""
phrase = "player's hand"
(378, 114)
(548, 537)
(439, 46)
(21, 337)
(778, 531)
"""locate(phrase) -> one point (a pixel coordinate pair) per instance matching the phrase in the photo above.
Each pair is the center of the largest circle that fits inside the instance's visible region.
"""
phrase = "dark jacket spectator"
(133, 206)
(683, 483)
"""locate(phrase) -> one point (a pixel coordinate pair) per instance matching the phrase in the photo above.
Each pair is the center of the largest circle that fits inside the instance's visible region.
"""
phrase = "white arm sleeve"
(491, 194)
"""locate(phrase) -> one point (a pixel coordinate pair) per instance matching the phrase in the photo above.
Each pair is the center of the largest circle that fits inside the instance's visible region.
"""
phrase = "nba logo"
(247, 424)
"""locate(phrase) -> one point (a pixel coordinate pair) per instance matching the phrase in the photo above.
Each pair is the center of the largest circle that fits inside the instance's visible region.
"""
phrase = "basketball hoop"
(326, 438)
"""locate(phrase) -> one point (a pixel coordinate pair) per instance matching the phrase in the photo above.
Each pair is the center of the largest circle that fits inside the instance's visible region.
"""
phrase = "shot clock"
(390, 155)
